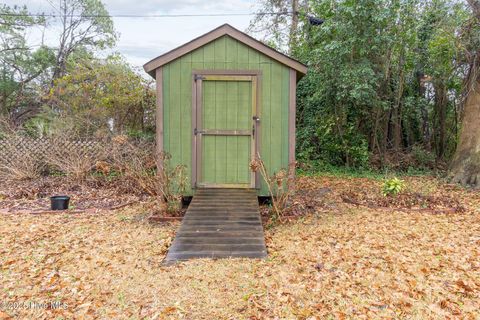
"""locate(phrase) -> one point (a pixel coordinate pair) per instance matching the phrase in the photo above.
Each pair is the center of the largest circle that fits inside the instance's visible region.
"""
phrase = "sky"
(142, 39)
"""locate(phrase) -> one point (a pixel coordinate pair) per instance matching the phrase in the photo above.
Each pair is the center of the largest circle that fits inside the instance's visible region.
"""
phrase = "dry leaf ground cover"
(337, 261)
(34, 195)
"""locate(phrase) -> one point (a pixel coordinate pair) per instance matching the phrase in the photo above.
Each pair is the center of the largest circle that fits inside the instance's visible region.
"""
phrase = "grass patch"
(327, 170)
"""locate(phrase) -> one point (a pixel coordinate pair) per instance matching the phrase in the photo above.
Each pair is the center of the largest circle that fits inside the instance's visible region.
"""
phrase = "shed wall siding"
(226, 53)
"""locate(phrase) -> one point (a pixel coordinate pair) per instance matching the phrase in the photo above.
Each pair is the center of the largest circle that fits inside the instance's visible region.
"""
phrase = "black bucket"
(59, 202)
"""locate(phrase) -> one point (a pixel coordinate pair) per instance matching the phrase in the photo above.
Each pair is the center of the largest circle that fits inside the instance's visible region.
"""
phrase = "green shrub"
(392, 187)
(319, 141)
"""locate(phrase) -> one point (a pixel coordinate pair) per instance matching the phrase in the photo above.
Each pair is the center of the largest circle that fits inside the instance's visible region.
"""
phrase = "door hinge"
(199, 77)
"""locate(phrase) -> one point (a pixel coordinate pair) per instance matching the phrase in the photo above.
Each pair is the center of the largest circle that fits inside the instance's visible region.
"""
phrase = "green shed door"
(225, 131)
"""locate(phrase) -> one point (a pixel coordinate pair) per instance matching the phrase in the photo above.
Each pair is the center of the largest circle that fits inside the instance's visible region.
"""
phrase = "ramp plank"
(220, 223)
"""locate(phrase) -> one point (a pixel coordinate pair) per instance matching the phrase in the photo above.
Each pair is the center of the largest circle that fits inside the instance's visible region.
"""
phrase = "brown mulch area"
(332, 194)
(403, 201)
(93, 194)
(317, 194)
(420, 193)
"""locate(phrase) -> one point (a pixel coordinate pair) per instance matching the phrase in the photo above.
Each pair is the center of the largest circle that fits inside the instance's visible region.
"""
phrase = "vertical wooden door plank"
(208, 142)
(245, 105)
(244, 123)
(232, 106)
(220, 123)
(243, 159)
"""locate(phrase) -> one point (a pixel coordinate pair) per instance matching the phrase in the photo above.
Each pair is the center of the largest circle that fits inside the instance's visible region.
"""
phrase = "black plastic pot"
(59, 202)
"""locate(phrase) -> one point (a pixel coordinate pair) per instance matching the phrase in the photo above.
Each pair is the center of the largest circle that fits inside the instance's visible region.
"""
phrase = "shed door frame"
(198, 76)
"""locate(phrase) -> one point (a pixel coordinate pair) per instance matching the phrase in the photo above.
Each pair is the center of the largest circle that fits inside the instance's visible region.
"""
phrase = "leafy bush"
(318, 141)
(107, 94)
(392, 187)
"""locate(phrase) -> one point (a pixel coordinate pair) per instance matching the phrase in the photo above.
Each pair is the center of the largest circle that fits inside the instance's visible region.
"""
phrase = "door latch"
(256, 118)
(196, 131)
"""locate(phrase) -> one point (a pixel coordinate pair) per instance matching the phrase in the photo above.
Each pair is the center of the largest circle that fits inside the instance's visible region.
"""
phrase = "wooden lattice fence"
(19, 148)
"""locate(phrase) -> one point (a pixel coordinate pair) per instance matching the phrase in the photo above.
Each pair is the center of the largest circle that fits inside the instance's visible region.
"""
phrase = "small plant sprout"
(392, 187)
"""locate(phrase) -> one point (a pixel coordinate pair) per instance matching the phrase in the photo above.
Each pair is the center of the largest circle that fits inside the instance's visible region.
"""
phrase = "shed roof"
(216, 33)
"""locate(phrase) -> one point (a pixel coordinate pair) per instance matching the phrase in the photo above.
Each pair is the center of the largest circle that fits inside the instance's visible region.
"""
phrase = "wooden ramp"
(220, 223)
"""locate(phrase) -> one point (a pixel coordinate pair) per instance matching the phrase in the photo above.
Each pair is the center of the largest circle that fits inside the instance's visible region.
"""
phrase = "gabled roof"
(225, 29)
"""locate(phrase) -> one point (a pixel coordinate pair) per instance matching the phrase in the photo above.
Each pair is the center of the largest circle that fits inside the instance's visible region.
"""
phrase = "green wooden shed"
(222, 98)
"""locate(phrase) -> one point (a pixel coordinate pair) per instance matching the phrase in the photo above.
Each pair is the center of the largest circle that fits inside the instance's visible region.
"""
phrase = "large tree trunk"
(465, 168)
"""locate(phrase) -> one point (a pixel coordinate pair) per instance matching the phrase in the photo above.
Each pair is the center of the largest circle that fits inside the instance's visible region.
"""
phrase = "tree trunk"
(397, 128)
(424, 112)
(293, 27)
(441, 101)
(397, 108)
(386, 130)
(339, 121)
(465, 168)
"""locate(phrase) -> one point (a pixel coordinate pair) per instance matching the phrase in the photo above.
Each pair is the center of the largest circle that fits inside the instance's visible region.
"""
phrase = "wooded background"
(390, 82)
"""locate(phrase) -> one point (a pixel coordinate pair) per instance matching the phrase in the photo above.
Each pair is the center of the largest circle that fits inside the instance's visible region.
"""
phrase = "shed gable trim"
(225, 29)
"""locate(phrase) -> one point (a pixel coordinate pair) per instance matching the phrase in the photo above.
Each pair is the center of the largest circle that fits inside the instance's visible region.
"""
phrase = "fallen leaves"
(4, 316)
(339, 261)
(34, 196)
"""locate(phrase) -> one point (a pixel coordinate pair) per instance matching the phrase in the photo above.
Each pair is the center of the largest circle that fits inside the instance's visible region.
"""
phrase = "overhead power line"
(52, 15)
